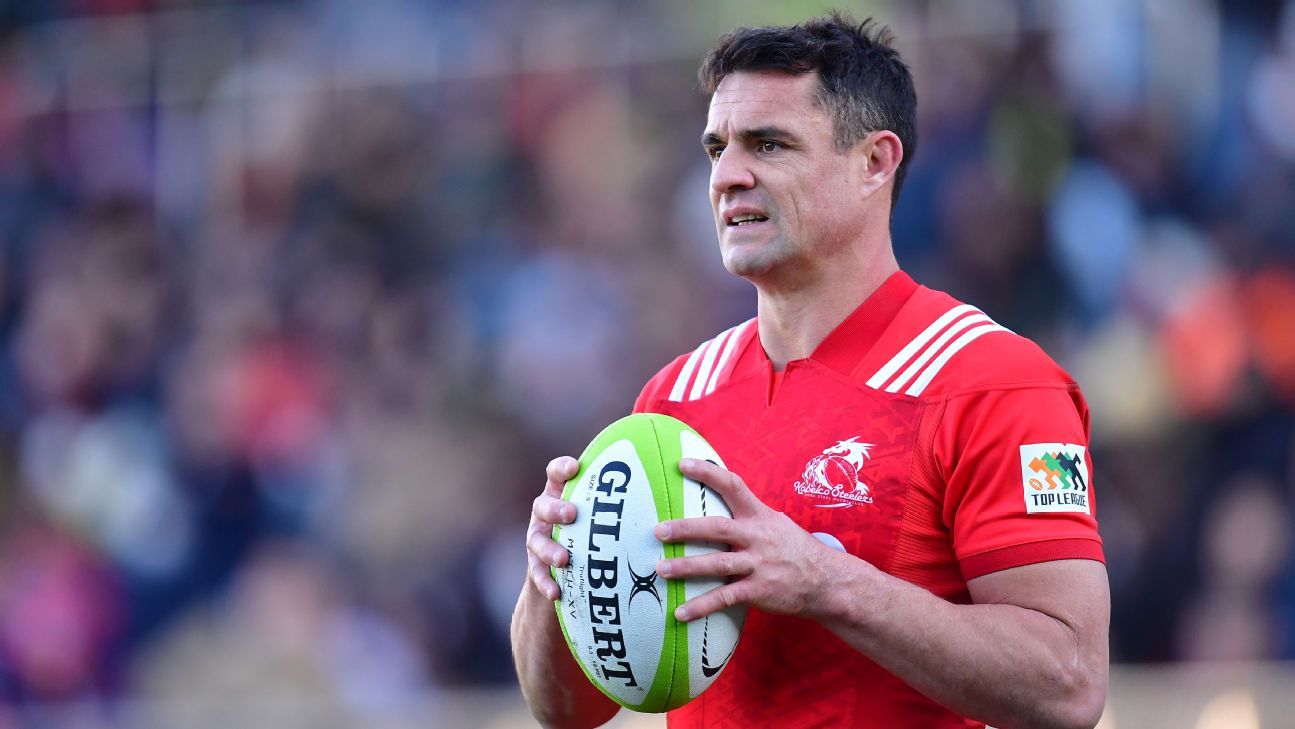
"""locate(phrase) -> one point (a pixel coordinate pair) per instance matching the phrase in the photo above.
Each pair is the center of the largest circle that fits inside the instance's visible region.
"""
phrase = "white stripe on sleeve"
(729, 348)
(707, 360)
(891, 367)
(934, 369)
(676, 393)
(958, 326)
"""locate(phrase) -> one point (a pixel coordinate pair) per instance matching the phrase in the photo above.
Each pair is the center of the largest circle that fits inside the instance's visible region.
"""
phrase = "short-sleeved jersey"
(919, 436)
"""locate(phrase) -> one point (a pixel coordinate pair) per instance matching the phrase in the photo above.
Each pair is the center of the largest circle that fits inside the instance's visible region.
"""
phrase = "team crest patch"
(1055, 478)
(832, 478)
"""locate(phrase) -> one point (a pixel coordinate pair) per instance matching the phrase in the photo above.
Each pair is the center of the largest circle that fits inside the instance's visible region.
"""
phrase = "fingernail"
(663, 530)
(553, 592)
(663, 568)
(687, 463)
(681, 613)
(569, 512)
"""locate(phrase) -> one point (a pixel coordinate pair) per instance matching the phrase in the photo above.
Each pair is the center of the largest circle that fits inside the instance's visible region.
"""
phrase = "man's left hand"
(777, 566)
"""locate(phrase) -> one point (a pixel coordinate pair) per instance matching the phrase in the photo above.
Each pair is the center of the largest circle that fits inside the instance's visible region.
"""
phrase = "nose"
(732, 171)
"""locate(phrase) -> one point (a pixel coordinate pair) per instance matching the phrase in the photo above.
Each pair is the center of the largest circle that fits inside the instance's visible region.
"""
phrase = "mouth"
(744, 218)
(740, 220)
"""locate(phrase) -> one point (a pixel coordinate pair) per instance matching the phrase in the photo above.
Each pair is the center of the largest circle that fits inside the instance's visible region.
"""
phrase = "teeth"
(742, 219)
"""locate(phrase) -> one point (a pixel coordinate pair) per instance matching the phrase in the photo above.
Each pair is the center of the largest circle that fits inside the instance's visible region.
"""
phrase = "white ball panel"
(712, 639)
(615, 622)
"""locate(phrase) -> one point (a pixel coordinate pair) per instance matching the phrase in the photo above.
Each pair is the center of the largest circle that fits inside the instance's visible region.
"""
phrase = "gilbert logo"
(1055, 478)
(833, 477)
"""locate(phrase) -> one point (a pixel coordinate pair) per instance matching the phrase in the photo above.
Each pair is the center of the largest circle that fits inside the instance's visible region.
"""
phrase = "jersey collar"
(847, 344)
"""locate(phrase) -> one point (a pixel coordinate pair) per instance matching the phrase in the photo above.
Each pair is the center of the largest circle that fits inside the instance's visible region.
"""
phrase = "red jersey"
(919, 436)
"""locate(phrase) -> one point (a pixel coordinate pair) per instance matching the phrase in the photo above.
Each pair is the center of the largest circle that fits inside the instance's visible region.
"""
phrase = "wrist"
(846, 590)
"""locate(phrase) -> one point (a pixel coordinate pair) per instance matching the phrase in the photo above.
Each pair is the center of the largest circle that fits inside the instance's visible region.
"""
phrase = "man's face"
(785, 200)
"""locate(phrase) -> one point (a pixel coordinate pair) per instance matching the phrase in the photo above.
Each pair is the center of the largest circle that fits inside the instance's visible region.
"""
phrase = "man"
(913, 525)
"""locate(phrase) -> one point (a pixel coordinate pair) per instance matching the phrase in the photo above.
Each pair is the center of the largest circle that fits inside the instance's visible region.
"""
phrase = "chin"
(751, 266)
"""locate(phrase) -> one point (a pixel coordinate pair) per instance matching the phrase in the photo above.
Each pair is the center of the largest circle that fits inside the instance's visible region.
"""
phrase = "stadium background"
(297, 298)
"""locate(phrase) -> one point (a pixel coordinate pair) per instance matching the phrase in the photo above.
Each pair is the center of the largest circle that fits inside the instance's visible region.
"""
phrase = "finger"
(553, 510)
(702, 529)
(559, 471)
(543, 581)
(538, 526)
(721, 598)
(717, 564)
(726, 483)
(548, 551)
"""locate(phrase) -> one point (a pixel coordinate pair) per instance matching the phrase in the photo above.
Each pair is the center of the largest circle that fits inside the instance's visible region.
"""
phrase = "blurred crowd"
(298, 298)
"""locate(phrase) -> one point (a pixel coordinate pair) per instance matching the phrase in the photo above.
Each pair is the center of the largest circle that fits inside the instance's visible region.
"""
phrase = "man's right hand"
(549, 509)
(553, 683)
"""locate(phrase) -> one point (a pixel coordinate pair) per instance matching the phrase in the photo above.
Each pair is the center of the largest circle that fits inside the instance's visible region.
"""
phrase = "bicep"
(1074, 592)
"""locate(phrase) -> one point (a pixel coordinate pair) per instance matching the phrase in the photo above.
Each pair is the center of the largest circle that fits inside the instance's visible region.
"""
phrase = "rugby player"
(913, 528)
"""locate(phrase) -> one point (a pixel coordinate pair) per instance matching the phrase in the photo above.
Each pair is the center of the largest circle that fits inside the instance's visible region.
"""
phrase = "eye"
(768, 145)
(714, 153)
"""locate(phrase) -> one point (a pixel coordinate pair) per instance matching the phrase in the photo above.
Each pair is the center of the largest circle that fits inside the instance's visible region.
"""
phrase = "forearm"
(1004, 664)
(558, 692)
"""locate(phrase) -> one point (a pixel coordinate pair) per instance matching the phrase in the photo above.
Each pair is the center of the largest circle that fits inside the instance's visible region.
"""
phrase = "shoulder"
(940, 347)
(697, 373)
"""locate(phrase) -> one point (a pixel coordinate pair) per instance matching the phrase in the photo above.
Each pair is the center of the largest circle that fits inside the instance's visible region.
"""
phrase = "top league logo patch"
(1055, 478)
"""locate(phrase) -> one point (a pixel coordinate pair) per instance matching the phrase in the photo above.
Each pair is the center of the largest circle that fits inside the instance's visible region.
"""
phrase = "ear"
(879, 155)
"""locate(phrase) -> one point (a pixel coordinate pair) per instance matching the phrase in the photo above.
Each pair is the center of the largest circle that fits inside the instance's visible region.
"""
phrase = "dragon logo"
(833, 476)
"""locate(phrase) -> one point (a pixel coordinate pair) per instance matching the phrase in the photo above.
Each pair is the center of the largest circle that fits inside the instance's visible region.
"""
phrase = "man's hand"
(778, 566)
(552, 682)
(549, 509)
(1030, 652)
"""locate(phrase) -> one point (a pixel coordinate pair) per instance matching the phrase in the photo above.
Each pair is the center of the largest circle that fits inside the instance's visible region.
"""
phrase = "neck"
(795, 320)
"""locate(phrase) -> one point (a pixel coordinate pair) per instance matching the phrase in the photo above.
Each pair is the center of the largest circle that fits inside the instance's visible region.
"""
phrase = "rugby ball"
(617, 614)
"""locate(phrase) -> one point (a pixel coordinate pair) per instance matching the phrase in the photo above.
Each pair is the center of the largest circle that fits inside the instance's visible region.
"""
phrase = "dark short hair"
(862, 82)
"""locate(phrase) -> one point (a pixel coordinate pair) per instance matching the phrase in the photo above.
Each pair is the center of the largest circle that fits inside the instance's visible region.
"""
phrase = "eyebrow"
(711, 139)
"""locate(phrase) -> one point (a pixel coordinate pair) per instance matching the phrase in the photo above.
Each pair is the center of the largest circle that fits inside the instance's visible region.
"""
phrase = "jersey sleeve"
(1018, 478)
(658, 388)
